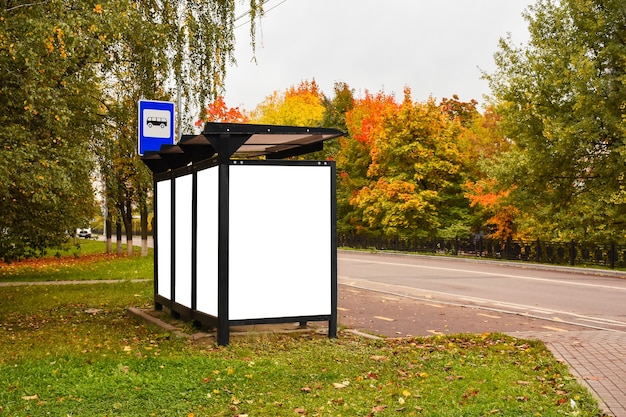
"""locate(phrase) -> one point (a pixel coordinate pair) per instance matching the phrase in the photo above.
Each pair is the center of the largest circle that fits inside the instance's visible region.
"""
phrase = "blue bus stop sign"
(156, 125)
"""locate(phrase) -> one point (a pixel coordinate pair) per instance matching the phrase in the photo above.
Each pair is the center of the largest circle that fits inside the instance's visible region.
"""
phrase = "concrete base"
(163, 320)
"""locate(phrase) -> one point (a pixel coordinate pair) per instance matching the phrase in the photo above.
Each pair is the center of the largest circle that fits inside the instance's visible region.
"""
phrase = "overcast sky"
(436, 47)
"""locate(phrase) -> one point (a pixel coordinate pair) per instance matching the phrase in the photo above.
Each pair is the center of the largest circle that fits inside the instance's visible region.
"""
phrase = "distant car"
(84, 233)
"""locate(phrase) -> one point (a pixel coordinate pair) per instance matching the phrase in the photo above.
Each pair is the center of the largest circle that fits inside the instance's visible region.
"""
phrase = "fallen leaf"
(379, 358)
(30, 397)
(300, 411)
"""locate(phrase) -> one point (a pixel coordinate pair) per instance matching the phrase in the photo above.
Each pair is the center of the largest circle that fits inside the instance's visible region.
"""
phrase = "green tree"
(562, 98)
(48, 113)
(72, 73)
(335, 110)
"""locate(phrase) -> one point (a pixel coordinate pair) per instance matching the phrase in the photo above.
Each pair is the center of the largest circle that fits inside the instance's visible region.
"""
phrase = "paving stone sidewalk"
(596, 358)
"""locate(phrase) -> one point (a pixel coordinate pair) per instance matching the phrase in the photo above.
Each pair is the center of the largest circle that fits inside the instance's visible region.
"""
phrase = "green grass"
(74, 351)
(85, 262)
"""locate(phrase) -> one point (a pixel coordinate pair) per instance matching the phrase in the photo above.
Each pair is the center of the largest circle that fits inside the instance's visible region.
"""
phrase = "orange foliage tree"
(491, 204)
(218, 111)
(407, 176)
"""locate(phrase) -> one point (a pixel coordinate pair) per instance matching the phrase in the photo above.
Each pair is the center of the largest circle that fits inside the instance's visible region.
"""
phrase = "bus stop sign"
(156, 125)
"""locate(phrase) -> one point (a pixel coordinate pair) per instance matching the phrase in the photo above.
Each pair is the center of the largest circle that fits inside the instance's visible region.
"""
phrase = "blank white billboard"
(182, 249)
(280, 241)
(206, 246)
(164, 230)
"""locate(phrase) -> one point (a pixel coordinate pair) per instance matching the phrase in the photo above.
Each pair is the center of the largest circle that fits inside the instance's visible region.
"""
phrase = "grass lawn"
(88, 261)
(72, 350)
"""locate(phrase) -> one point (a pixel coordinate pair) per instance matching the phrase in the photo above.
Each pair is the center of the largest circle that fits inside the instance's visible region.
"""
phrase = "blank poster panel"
(164, 238)
(182, 268)
(280, 241)
(206, 246)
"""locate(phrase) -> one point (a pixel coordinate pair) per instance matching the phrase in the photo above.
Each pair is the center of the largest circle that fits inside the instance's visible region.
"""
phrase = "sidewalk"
(596, 358)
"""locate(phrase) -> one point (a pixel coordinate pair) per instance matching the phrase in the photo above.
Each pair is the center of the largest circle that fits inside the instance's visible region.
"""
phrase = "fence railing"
(559, 253)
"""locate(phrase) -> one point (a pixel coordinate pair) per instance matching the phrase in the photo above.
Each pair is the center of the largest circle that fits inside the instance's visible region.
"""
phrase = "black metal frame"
(222, 321)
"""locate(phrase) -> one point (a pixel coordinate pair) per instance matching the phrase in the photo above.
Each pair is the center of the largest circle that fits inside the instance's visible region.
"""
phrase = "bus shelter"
(243, 235)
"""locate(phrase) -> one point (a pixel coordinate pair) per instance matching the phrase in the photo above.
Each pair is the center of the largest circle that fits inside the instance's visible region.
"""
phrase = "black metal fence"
(559, 253)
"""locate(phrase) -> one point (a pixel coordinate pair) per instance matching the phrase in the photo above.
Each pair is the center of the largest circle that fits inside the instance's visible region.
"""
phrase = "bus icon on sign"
(157, 121)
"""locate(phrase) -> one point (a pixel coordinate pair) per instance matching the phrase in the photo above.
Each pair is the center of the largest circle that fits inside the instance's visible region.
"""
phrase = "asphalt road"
(417, 295)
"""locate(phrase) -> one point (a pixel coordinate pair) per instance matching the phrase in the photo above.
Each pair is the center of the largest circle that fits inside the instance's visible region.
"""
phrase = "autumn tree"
(498, 218)
(491, 215)
(218, 111)
(364, 120)
(562, 98)
(402, 167)
(334, 116)
(300, 105)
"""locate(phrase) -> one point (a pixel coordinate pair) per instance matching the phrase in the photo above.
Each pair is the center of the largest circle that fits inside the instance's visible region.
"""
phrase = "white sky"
(436, 47)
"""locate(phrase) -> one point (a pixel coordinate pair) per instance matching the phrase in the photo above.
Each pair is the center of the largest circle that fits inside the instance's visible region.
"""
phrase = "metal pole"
(223, 327)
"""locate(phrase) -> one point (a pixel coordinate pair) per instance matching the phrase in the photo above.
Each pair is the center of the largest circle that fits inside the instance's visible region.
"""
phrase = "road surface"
(562, 296)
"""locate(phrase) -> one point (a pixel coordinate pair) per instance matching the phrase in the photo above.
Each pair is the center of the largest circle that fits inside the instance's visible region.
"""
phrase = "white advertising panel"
(164, 229)
(206, 246)
(280, 241)
(182, 250)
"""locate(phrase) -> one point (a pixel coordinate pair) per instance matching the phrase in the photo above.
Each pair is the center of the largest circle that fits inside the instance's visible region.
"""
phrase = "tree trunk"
(128, 225)
(144, 228)
(118, 232)
(108, 230)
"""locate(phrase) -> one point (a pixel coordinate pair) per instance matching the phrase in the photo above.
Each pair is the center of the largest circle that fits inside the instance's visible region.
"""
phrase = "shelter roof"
(239, 140)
